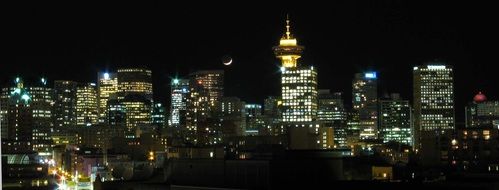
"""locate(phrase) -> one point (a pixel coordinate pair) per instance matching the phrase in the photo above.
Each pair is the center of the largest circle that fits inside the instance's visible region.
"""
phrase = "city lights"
(346, 110)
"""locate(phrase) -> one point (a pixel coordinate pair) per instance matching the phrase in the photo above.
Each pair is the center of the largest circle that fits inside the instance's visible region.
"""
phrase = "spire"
(288, 33)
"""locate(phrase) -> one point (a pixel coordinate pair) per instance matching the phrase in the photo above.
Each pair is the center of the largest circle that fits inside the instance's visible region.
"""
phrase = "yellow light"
(288, 42)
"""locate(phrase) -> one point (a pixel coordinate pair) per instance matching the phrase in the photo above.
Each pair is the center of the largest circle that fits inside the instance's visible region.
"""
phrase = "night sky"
(75, 41)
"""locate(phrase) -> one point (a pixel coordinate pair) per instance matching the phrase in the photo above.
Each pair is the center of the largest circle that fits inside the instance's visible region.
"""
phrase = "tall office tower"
(206, 90)
(481, 112)
(64, 103)
(433, 98)
(395, 120)
(255, 121)
(4, 106)
(232, 114)
(158, 116)
(86, 105)
(298, 84)
(178, 106)
(365, 102)
(433, 112)
(137, 113)
(41, 105)
(135, 81)
(116, 113)
(107, 86)
(331, 113)
(4, 99)
(272, 109)
(20, 119)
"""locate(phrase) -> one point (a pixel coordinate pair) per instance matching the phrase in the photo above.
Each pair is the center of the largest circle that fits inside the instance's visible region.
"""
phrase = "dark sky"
(75, 41)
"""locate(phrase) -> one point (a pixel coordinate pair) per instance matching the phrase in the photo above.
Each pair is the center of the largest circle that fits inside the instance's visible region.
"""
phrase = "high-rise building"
(298, 84)
(433, 98)
(232, 114)
(395, 120)
(107, 86)
(158, 117)
(41, 105)
(255, 121)
(179, 94)
(86, 105)
(20, 119)
(434, 121)
(365, 103)
(135, 81)
(272, 110)
(137, 112)
(205, 91)
(64, 103)
(481, 112)
(331, 113)
(4, 100)
(116, 116)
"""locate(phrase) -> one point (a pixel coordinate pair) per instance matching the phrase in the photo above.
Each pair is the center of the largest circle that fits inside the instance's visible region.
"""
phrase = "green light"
(18, 79)
(175, 81)
(16, 91)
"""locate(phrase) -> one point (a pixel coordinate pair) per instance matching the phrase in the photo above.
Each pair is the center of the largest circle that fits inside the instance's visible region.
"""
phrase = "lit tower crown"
(288, 49)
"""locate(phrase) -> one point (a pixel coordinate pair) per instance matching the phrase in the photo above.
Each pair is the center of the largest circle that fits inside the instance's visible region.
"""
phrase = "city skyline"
(121, 96)
(335, 53)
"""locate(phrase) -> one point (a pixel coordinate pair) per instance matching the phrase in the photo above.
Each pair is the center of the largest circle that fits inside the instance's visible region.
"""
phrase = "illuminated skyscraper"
(365, 103)
(20, 119)
(158, 116)
(331, 113)
(86, 105)
(395, 120)
(179, 94)
(481, 112)
(206, 90)
(116, 116)
(255, 121)
(298, 84)
(272, 110)
(135, 81)
(107, 86)
(137, 113)
(433, 99)
(41, 105)
(230, 113)
(64, 103)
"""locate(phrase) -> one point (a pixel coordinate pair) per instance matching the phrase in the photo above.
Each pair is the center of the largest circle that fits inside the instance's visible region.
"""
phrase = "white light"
(175, 81)
(436, 66)
(283, 69)
(106, 76)
(370, 75)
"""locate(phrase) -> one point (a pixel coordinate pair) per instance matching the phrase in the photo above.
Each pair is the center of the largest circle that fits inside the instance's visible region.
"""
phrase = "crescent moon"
(228, 63)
